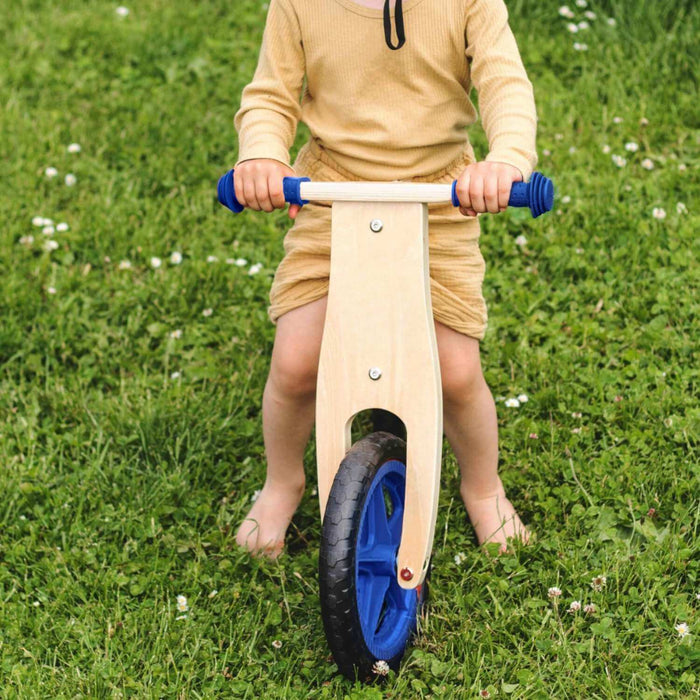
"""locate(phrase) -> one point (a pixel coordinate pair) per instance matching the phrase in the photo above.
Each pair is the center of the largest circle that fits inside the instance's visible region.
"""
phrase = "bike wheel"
(368, 618)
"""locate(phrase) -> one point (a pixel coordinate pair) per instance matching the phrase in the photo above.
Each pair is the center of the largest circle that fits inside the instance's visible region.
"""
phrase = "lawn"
(134, 348)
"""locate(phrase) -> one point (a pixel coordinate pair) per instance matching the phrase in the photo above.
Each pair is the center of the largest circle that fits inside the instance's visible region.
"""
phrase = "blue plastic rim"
(387, 612)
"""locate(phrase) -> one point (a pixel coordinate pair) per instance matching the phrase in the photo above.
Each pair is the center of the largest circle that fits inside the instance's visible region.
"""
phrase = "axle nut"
(406, 573)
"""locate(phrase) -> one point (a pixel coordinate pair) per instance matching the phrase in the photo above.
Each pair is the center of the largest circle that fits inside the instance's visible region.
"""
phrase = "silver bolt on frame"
(375, 373)
(376, 225)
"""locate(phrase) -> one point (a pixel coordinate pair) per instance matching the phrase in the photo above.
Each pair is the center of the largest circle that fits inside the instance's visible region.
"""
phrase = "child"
(386, 97)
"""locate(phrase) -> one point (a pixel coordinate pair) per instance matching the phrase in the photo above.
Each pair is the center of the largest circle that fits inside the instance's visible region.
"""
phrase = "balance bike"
(378, 497)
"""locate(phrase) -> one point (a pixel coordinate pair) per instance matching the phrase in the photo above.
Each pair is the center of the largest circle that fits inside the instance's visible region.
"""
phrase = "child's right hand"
(258, 185)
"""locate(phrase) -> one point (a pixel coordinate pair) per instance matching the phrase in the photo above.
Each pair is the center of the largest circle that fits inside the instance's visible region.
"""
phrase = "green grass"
(121, 487)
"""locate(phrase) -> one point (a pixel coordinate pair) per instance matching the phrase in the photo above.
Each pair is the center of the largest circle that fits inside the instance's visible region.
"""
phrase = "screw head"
(406, 573)
(375, 373)
(376, 225)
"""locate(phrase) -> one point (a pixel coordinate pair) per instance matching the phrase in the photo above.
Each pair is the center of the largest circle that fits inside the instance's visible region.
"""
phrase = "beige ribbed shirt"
(384, 114)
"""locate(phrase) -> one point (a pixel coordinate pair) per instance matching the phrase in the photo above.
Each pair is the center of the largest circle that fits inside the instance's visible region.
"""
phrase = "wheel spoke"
(375, 593)
(378, 518)
(378, 560)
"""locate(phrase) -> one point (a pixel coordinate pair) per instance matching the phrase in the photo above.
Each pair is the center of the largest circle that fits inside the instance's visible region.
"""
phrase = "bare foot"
(262, 532)
(494, 519)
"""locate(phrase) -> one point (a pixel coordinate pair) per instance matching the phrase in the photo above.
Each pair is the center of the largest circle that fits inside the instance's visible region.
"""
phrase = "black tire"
(339, 542)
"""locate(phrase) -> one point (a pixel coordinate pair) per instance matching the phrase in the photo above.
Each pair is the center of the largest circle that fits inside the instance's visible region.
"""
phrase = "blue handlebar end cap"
(227, 194)
(292, 190)
(541, 194)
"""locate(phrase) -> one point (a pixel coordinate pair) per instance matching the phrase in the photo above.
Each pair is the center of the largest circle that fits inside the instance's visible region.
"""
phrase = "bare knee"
(293, 373)
(295, 356)
(460, 366)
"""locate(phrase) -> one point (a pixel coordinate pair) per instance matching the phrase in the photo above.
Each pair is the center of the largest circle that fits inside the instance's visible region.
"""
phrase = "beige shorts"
(456, 263)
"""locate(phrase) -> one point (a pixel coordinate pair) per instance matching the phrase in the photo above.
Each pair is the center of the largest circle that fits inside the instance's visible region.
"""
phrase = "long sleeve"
(506, 99)
(267, 119)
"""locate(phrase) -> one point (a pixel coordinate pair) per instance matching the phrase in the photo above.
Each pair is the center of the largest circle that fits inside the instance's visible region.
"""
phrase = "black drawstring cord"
(398, 16)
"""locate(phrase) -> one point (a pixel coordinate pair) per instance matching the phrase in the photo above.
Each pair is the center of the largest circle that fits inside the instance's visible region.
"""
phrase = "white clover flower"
(207, 312)
(51, 290)
(598, 583)
(62, 227)
(643, 122)
(581, 3)
(606, 149)
(589, 14)
(50, 172)
(658, 213)
(580, 47)
(230, 261)
(572, 149)
(576, 414)
(182, 604)
(681, 208)
(176, 334)
(682, 629)
(26, 240)
(631, 146)
(380, 668)
(175, 375)
(619, 161)
(589, 608)
(546, 152)
(459, 558)
(573, 28)
(254, 269)
(36, 603)
(521, 240)
(558, 137)
(554, 592)
(74, 148)
(533, 436)
(156, 263)
(212, 259)
(575, 431)
(579, 251)
(124, 265)
(50, 245)
(648, 164)
(565, 199)
(618, 120)
(523, 398)
(611, 21)
(512, 403)
(39, 221)
(682, 167)
(583, 25)
(241, 262)
(566, 11)
(48, 230)
(277, 644)
(71, 180)
(122, 11)
(575, 605)
(175, 258)
(213, 594)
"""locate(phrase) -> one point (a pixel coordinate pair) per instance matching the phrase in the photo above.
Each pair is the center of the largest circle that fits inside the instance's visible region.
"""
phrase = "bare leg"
(288, 419)
(471, 427)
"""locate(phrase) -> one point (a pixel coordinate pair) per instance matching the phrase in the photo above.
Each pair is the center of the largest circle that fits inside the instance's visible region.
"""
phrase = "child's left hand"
(485, 187)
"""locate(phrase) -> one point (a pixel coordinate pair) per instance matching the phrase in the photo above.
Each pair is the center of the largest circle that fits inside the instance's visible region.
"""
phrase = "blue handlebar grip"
(227, 193)
(538, 194)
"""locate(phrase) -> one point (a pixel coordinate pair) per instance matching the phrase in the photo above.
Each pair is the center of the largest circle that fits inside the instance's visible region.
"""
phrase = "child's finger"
(251, 201)
(293, 210)
(491, 193)
(476, 193)
(504, 187)
(276, 190)
(262, 193)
